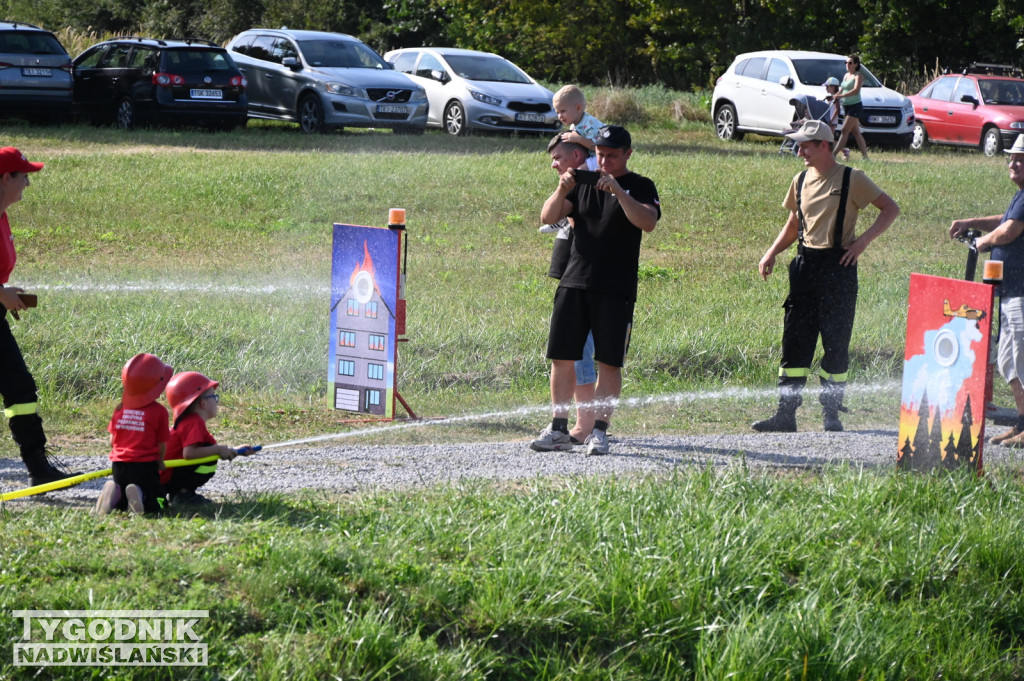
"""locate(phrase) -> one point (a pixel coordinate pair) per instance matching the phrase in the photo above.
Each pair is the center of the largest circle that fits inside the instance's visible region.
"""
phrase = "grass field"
(213, 251)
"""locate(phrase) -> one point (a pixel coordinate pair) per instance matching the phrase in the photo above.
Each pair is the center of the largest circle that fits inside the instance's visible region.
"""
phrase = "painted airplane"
(964, 311)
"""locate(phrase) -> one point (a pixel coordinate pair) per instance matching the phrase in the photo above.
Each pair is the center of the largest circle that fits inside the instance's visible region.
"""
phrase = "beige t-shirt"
(820, 202)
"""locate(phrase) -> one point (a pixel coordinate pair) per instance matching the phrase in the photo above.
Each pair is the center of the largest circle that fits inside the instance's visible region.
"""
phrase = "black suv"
(35, 73)
(133, 81)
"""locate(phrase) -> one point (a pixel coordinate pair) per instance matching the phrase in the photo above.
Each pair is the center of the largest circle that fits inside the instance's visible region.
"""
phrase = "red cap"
(13, 161)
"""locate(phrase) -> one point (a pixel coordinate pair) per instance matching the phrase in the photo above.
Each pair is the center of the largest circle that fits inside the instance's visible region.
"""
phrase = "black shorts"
(146, 475)
(855, 110)
(577, 312)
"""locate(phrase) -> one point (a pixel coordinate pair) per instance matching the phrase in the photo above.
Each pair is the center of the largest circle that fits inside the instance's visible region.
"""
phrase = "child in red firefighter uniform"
(138, 439)
(193, 402)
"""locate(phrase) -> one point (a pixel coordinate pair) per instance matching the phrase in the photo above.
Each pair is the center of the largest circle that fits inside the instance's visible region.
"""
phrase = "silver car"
(325, 81)
(472, 90)
(35, 73)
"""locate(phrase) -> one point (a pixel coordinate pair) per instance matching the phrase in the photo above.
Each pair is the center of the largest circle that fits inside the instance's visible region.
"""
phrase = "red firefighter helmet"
(184, 389)
(144, 377)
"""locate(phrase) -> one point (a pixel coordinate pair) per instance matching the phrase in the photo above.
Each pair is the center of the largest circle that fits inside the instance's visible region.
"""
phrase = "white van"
(754, 92)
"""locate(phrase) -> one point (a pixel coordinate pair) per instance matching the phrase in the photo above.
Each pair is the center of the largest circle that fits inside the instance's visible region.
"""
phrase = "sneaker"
(551, 441)
(135, 504)
(846, 154)
(1000, 439)
(109, 497)
(597, 443)
(549, 229)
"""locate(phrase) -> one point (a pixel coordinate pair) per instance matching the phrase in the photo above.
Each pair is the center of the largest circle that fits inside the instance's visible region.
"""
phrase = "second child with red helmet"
(138, 439)
(193, 402)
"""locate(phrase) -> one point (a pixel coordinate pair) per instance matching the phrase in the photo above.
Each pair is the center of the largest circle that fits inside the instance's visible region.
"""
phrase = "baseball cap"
(832, 80)
(13, 161)
(614, 136)
(812, 130)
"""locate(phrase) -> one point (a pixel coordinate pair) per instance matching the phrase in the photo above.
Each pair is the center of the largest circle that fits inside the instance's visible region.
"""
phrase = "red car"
(975, 109)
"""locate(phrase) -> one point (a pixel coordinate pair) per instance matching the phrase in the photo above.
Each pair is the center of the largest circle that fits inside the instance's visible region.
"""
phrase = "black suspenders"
(837, 233)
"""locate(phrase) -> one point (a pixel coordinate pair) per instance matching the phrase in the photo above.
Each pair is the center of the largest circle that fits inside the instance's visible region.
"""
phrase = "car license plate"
(35, 71)
(882, 120)
(206, 94)
(391, 109)
(531, 118)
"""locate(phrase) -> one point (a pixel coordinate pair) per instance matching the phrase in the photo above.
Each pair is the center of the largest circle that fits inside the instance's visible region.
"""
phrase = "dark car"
(35, 73)
(134, 81)
(982, 108)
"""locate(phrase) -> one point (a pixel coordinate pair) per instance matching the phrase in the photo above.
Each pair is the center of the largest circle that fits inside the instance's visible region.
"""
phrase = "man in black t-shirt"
(598, 289)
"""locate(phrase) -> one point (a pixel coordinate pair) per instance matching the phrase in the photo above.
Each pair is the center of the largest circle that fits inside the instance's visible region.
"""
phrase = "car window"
(284, 48)
(965, 88)
(243, 44)
(1002, 91)
(25, 42)
(263, 48)
(191, 59)
(142, 57)
(943, 89)
(427, 64)
(405, 61)
(817, 71)
(90, 58)
(340, 54)
(754, 68)
(738, 69)
(777, 69)
(116, 57)
(486, 67)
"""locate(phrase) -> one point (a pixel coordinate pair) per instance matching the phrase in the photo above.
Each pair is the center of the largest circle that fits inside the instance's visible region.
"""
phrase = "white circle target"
(945, 347)
(363, 287)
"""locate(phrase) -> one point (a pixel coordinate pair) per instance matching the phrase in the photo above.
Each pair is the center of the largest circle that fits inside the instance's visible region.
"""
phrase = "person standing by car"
(17, 387)
(1004, 239)
(597, 292)
(849, 97)
(823, 202)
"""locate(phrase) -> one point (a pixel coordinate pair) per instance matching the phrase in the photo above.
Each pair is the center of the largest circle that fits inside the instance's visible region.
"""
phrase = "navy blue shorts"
(855, 110)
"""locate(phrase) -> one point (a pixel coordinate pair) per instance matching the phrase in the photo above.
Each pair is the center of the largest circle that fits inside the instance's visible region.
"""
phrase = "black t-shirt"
(606, 245)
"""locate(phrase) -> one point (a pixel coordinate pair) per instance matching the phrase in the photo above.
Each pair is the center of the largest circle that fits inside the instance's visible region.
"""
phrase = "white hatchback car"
(470, 90)
(754, 92)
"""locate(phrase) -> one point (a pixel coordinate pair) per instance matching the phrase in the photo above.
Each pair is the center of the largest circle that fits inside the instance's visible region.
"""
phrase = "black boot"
(784, 418)
(40, 469)
(831, 399)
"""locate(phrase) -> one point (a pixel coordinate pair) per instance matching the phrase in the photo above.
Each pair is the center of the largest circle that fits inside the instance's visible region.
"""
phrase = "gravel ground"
(350, 469)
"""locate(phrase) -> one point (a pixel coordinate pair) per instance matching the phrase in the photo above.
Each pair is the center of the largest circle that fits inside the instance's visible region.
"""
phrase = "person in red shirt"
(17, 387)
(138, 439)
(193, 402)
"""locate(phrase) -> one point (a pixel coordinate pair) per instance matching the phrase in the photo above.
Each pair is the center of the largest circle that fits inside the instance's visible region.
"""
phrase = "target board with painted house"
(946, 379)
(364, 309)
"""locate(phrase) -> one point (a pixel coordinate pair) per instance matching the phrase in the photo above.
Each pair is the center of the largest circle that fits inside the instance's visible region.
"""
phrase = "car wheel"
(455, 118)
(991, 142)
(725, 123)
(126, 116)
(311, 114)
(920, 139)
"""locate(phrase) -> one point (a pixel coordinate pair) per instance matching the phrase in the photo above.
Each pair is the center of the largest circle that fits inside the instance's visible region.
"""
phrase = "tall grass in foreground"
(840, 575)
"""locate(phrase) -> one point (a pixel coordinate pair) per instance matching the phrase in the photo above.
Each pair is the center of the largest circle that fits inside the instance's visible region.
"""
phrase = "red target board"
(946, 377)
